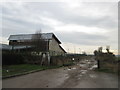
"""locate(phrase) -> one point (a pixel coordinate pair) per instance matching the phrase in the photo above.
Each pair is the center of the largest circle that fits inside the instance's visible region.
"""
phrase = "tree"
(108, 49)
(95, 52)
(100, 49)
(38, 42)
(84, 53)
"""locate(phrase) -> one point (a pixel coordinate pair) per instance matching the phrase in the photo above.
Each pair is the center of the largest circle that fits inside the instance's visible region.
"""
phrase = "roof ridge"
(30, 34)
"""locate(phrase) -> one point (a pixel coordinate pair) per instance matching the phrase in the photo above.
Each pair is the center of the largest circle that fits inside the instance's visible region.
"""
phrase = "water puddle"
(80, 75)
(66, 76)
(93, 67)
(83, 71)
(89, 62)
(82, 65)
(69, 69)
(92, 76)
(74, 68)
(86, 60)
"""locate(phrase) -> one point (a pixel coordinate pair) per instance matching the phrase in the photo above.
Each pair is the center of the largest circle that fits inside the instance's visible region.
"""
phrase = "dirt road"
(81, 75)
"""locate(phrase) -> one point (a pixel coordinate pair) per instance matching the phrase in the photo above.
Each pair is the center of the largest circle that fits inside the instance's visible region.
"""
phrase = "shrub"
(12, 58)
(9, 58)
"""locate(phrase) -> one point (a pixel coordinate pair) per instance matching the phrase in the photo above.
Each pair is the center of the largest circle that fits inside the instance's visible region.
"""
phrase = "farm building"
(5, 47)
(51, 45)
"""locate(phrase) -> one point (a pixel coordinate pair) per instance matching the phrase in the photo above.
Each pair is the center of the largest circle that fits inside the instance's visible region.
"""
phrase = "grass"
(109, 68)
(68, 64)
(118, 58)
(18, 69)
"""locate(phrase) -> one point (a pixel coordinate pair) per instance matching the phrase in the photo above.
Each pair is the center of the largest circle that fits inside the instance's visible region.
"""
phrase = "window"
(14, 40)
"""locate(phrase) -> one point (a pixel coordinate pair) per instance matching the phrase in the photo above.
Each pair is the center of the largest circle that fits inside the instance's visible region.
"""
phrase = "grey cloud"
(60, 12)
(57, 11)
(102, 22)
(16, 27)
(82, 38)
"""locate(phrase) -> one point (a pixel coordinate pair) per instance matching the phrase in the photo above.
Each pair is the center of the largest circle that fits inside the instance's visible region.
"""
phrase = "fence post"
(98, 62)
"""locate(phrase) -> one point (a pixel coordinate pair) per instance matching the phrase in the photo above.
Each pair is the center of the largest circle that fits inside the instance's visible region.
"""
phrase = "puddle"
(92, 76)
(82, 65)
(82, 62)
(83, 71)
(69, 69)
(86, 60)
(80, 75)
(90, 68)
(89, 62)
(74, 68)
(93, 67)
(66, 76)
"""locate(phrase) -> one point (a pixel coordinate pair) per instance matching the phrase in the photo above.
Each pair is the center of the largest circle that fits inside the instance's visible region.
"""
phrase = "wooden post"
(98, 62)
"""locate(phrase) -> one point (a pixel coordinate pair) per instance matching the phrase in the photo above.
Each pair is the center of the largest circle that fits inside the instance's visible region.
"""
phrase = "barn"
(52, 45)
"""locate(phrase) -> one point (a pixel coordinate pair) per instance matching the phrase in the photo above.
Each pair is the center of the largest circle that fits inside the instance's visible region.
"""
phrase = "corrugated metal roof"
(21, 47)
(5, 47)
(9, 47)
(29, 36)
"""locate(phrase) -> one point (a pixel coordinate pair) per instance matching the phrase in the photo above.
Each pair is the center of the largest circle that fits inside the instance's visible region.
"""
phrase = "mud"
(81, 75)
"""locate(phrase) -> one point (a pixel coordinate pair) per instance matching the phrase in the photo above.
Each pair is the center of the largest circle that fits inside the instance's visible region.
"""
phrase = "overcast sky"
(80, 26)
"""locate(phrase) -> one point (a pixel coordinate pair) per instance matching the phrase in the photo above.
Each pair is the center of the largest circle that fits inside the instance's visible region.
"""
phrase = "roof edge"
(62, 48)
(56, 38)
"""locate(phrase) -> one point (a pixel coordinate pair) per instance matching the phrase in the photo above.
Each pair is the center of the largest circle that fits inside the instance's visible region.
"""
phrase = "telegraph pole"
(68, 50)
(79, 51)
(74, 50)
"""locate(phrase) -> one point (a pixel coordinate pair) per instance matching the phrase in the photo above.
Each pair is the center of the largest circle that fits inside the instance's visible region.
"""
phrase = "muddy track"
(81, 75)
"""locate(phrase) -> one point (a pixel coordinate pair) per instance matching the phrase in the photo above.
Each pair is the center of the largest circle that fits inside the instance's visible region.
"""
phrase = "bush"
(10, 58)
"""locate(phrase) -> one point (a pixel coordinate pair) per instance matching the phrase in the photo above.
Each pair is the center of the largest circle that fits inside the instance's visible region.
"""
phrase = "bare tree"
(108, 48)
(100, 49)
(38, 42)
(95, 52)
(84, 53)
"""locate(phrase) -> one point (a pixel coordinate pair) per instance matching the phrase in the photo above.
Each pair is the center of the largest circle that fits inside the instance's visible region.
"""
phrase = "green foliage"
(13, 58)
(107, 61)
(9, 58)
(39, 43)
(118, 58)
(106, 70)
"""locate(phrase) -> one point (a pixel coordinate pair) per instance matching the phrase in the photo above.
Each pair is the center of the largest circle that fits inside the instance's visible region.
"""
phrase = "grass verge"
(106, 70)
(19, 69)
